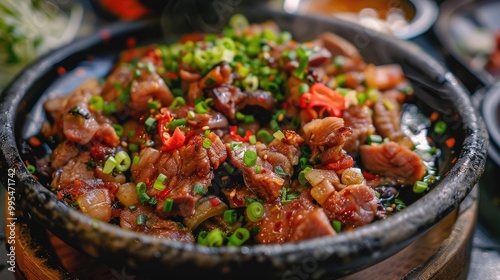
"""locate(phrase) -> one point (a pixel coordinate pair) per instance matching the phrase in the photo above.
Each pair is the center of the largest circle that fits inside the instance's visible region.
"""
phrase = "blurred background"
(463, 35)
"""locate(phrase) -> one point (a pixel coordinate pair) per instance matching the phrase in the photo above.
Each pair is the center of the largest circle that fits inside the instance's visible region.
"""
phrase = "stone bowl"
(436, 89)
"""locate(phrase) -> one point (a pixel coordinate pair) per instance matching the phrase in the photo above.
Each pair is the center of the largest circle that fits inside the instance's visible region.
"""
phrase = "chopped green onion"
(141, 219)
(187, 58)
(250, 83)
(374, 139)
(136, 159)
(206, 133)
(373, 94)
(109, 108)
(131, 134)
(215, 238)
(252, 139)
(420, 187)
(236, 144)
(238, 237)
(199, 189)
(133, 147)
(279, 170)
(149, 143)
(177, 122)
(178, 102)
(201, 107)
(122, 161)
(159, 182)
(303, 88)
(301, 177)
(168, 204)
(339, 61)
(118, 129)
(109, 165)
(264, 136)
(132, 207)
(140, 189)
(340, 80)
(255, 211)
(361, 97)
(230, 216)
(31, 169)
(191, 115)
(150, 124)
(150, 67)
(250, 158)
(279, 135)
(207, 143)
(337, 225)
(238, 22)
(96, 103)
(249, 119)
(200, 58)
(388, 105)
(440, 127)
(202, 238)
(209, 81)
(258, 169)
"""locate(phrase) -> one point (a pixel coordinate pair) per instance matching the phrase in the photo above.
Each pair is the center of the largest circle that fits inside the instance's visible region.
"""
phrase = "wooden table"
(442, 253)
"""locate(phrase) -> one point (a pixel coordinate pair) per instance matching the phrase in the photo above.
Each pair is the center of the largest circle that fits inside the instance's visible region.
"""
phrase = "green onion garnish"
(118, 129)
(159, 182)
(279, 135)
(150, 124)
(132, 207)
(141, 219)
(177, 122)
(258, 169)
(31, 169)
(109, 165)
(255, 211)
(264, 136)
(440, 127)
(230, 216)
(178, 102)
(238, 237)
(250, 158)
(122, 161)
(154, 104)
(207, 143)
(301, 177)
(374, 139)
(279, 170)
(168, 204)
(136, 160)
(133, 147)
(337, 225)
(140, 189)
(215, 238)
(303, 88)
(96, 103)
(201, 107)
(252, 139)
(109, 108)
(420, 187)
(199, 189)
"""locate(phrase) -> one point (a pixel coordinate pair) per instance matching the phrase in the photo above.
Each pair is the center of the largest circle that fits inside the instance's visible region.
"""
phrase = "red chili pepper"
(163, 194)
(170, 142)
(368, 176)
(236, 136)
(324, 98)
(215, 201)
(59, 195)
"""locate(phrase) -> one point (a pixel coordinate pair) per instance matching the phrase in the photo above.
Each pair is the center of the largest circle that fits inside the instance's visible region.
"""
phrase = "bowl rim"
(454, 187)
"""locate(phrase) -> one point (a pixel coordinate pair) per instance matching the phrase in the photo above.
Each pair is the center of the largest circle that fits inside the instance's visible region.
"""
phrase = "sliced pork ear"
(328, 131)
(227, 99)
(354, 206)
(63, 153)
(307, 225)
(386, 116)
(266, 184)
(359, 119)
(393, 160)
(148, 86)
(153, 225)
(75, 169)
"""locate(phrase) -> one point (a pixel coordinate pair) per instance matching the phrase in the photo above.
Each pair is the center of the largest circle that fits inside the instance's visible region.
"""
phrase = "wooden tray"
(442, 253)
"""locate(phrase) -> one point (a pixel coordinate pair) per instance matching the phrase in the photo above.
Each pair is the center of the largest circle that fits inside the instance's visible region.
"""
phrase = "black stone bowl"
(436, 89)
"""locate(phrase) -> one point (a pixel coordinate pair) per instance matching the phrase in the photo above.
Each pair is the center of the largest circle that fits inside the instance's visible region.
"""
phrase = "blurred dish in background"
(404, 19)
(470, 31)
(30, 28)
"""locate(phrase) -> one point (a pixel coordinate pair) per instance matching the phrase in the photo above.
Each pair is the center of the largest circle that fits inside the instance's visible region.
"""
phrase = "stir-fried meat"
(149, 86)
(326, 138)
(294, 221)
(284, 153)
(386, 116)
(324, 183)
(75, 169)
(185, 167)
(383, 77)
(121, 75)
(359, 119)
(338, 46)
(227, 100)
(354, 206)
(63, 153)
(236, 194)
(153, 225)
(393, 160)
(266, 184)
(260, 98)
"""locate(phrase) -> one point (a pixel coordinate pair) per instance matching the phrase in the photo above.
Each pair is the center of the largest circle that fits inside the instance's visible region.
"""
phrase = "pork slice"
(310, 224)
(354, 206)
(148, 86)
(227, 100)
(63, 153)
(75, 169)
(393, 160)
(329, 131)
(359, 119)
(266, 184)
(154, 225)
(386, 116)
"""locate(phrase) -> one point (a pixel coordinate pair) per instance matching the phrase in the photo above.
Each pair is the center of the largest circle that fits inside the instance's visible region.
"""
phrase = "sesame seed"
(224, 178)
(265, 156)
(281, 117)
(124, 144)
(205, 127)
(389, 209)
